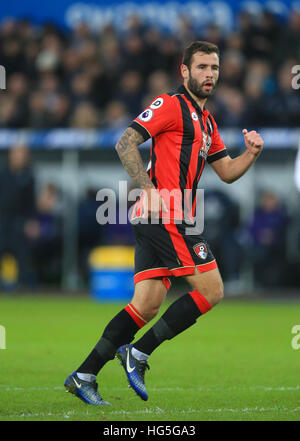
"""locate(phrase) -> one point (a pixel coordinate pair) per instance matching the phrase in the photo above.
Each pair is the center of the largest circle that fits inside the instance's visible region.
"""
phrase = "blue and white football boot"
(134, 369)
(85, 390)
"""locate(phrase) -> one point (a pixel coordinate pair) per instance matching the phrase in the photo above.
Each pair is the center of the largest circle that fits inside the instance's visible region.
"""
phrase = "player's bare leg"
(209, 284)
(207, 291)
(148, 296)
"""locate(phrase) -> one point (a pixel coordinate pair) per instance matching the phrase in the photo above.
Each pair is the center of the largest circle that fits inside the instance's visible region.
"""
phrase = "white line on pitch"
(165, 389)
(158, 411)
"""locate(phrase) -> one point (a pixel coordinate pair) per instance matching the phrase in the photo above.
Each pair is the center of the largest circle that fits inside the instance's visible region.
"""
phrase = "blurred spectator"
(12, 55)
(289, 41)
(158, 83)
(232, 69)
(214, 34)
(90, 232)
(170, 57)
(134, 55)
(267, 241)
(130, 91)
(234, 107)
(118, 233)
(17, 211)
(8, 111)
(116, 115)
(81, 88)
(185, 31)
(85, 116)
(37, 111)
(45, 233)
(221, 222)
(18, 90)
(283, 107)
(49, 56)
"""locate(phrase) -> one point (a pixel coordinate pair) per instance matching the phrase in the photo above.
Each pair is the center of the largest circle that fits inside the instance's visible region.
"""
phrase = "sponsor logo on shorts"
(157, 103)
(201, 250)
(146, 115)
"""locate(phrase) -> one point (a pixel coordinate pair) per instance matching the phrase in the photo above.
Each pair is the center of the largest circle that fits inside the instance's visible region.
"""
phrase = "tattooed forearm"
(127, 149)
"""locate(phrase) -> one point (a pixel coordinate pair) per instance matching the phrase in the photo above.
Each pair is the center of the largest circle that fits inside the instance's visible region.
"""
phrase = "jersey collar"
(182, 90)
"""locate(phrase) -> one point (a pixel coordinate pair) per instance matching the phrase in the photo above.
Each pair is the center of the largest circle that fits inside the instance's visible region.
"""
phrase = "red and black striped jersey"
(184, 137)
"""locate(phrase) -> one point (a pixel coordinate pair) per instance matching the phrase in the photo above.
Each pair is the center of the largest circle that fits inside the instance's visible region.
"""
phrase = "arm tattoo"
(127, 149)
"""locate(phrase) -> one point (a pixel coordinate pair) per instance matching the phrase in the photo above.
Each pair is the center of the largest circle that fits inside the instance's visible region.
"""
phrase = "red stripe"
(149, 274)
(135, 310)
(133, 315)
(154, 273)
(177, 272)
(187, 271)
(166, 282)
(203, 305)
(207, 266)
(180, 246)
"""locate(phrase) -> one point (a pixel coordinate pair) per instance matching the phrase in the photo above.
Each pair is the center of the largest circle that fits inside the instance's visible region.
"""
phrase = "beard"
(197, 88)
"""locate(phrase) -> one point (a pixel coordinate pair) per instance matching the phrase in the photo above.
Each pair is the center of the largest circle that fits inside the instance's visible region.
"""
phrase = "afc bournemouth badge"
(201, 250)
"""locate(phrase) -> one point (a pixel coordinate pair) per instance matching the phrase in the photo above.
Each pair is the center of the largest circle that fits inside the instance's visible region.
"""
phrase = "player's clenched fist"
(253, 141)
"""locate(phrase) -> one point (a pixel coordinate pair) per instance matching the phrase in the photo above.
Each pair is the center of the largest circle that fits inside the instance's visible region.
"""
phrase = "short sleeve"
(160, 116)
(217, 149)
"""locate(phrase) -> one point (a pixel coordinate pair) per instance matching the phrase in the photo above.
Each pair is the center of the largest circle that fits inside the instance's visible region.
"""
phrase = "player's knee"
(148, 310)
(151, 312)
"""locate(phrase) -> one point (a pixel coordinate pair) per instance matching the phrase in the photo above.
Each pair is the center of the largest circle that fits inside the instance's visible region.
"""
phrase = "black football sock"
(119, 331)
(182, 314)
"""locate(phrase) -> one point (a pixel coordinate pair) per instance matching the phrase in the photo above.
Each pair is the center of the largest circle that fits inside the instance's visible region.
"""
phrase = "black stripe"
(201, 122)
(196, 180)
(153, 163)
(200, 162)
(186, 145)
(210, 127)
(142, 131)
(217, 156)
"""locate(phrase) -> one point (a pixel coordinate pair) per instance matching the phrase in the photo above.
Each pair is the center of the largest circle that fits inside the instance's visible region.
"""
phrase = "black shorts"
(164, 250)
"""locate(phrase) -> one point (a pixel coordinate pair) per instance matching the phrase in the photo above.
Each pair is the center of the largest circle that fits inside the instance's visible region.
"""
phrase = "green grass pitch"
(236, 363)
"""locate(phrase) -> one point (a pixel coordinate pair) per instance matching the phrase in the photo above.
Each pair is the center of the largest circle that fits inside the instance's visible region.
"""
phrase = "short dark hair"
(198, 46)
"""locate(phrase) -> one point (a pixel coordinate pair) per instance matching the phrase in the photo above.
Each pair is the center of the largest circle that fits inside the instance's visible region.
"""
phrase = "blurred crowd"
(85, 79)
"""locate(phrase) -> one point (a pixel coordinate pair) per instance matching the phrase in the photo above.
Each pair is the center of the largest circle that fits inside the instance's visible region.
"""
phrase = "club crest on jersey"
(206, 143)
(195, 116)
(201, 250)
(157, 103)
(146, 115)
